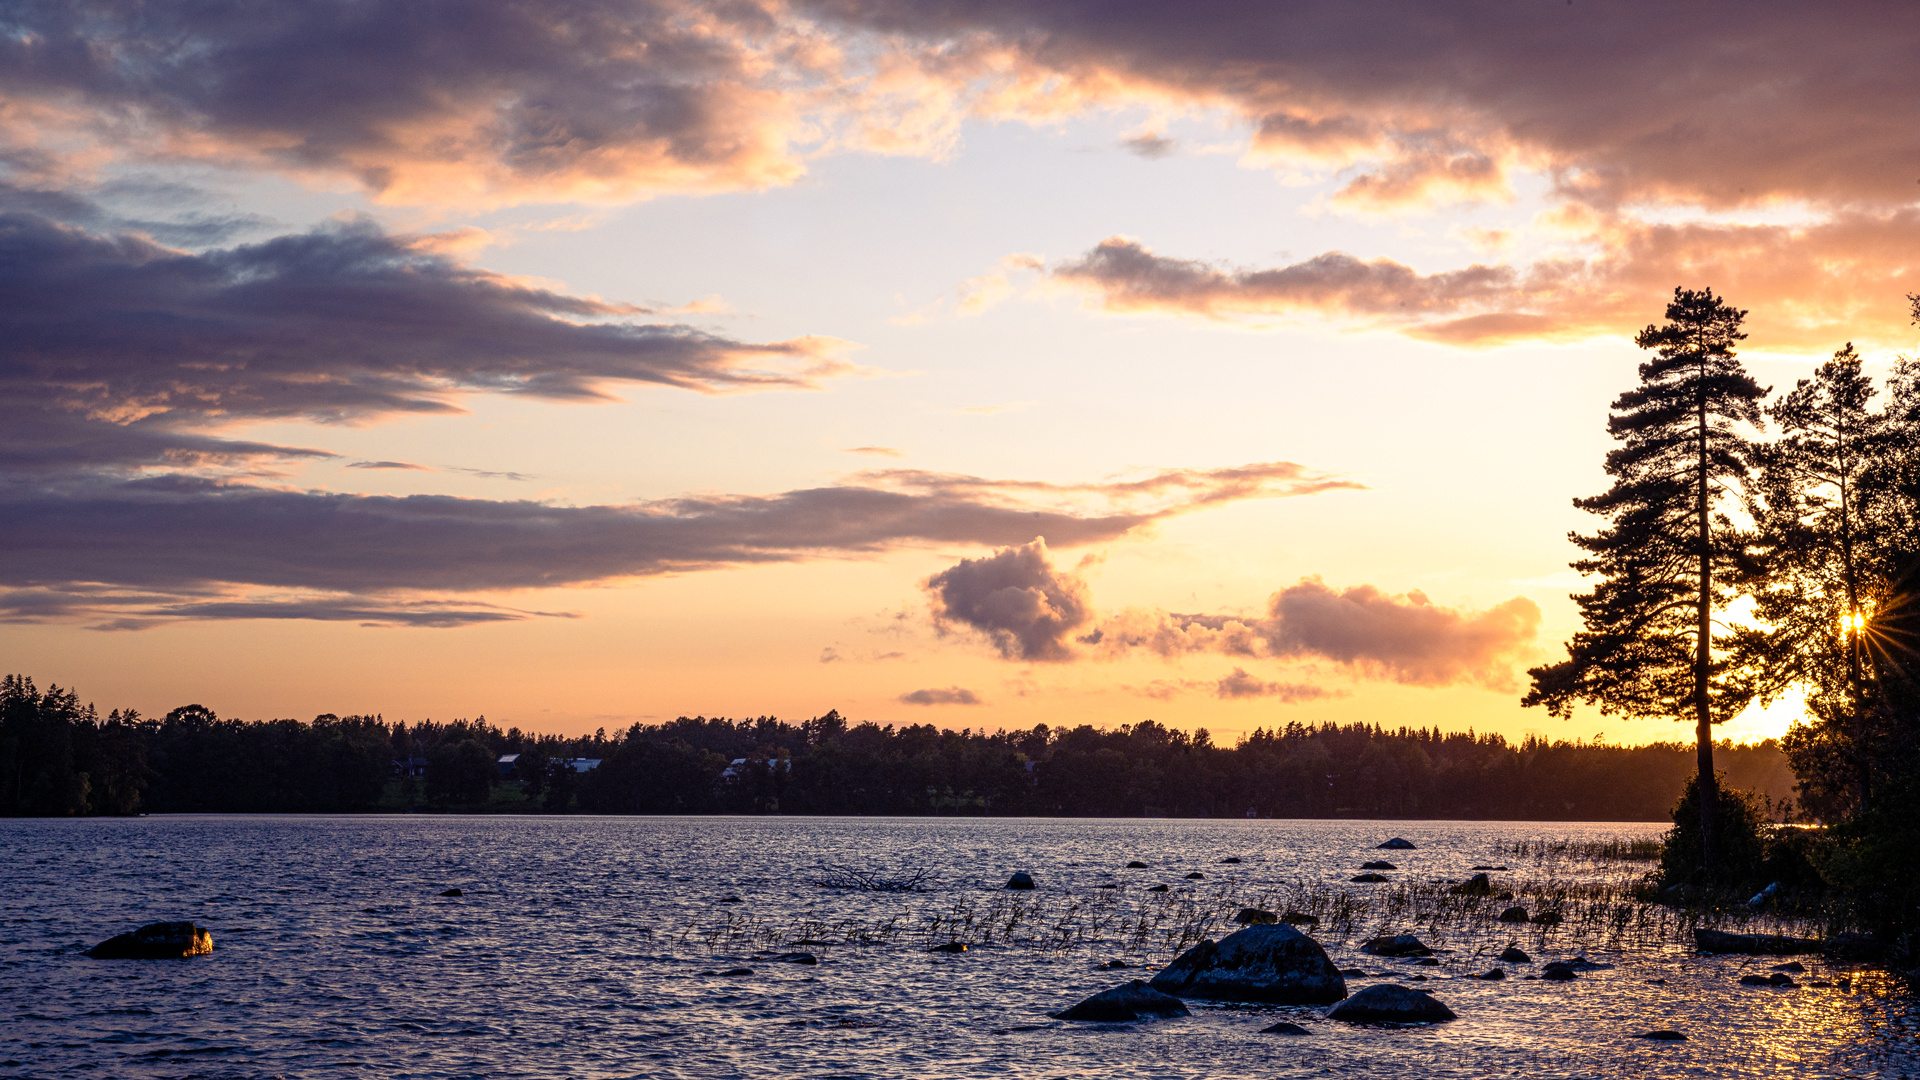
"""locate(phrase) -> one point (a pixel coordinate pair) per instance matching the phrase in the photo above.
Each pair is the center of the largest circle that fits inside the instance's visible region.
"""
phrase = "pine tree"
(1668, 556)
(1819, 505)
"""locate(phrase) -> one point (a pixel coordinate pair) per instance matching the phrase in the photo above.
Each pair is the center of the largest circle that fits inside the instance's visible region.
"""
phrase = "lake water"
(598, 947)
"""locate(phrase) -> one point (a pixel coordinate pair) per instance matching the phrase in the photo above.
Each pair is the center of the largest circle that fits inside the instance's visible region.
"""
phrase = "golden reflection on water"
(1805, 1024)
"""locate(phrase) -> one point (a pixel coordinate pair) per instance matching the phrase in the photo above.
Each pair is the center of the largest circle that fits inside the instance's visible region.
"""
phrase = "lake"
(599, 947)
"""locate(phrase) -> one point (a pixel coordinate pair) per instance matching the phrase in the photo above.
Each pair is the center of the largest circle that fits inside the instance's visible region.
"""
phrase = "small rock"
(1547, 918)
(1396, 945)
(451, 892)
(1665, 1035)
(1558, 971)
(1385, 1002)
(1156, 888)
(1109, 885)
(950, 947)
(1351, 971)
(1794, 966)
(731, 899)
(1397, 844)
(1514, 914)
(1753, 980)
(1284, 1028)
(1368, 879)
(796, 958)
(1822, 984)
(1378, 864)
(1477, 885)
(1136, 865)
(1250, 915)
(1416, 978)
(1846, 984)
(1426, 962)
(1783, 980)
(1512, 955)
(1195, 876)
(1492, 976)
(1114, 965)
(1125, 1003)
(1300, 918)
(1486, 868)
(1656, 982)
(1231, 860)
(156, 941)
(1581, 963)
(737, 971)
(1020, 880)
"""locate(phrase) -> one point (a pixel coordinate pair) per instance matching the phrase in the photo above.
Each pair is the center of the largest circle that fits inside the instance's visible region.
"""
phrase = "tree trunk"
(1708, 785)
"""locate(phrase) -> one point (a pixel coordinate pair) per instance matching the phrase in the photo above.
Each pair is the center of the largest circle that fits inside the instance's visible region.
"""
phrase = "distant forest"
(58, 757)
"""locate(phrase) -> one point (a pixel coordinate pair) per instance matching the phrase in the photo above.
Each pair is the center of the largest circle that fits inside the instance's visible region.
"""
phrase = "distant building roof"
(584, 764)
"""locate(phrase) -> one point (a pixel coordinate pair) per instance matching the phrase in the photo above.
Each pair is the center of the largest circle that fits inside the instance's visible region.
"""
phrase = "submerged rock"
(156, 941)
(1794, 966)
(451, 892)
(1558, 971)
(1020, 880)
(1300, 918)
(1387, 1003)
(1547, 918)
(1249, 915)
(1136, 865)
(1378, 864)
(1477, 885)
(1512, 955)
(796, 958)
(1284, 1028)
(1156, 888)
(731, 899)
(1368, 879)
(950, 947)
(1426, 962)
(1717, 941)
(1396, 844)
(1113, 965)
(1396, 945)
(1125, 1003)
(730, 972)
(1230, 860)
(1581, 963)
(1264, 962)
(1514, 914)
(1195, 876)
(1491, 976)
(1665, 1035)
(1778, 978)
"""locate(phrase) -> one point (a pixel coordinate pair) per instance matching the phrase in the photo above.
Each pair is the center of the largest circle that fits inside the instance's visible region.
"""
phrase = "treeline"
(59, 757)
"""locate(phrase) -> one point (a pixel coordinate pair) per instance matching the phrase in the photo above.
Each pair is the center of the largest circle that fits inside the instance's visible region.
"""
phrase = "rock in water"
(451, 892)
(1558, 971)
(1195, 876)
(1396, 844)
(1665, 1035)
(1368, 879)
(1514, 914)
(1156, 888)
(1396, 945)
(1231, 859)
(1125, 1003)
(1136, 865)
(1020, 880)
(950, 947)
(1249, 915)
(1794, 966)
(1378, 864)
(1718, 941)
(1512, 955)
(796, 958)
(1265, 962)
(156, 941)
(1300, 918)
(1284, 1028)
(1385, 1002)
(1492, 976)
(1477, 885)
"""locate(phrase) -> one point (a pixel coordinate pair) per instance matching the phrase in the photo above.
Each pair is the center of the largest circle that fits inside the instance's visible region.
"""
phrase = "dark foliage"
(59, 758)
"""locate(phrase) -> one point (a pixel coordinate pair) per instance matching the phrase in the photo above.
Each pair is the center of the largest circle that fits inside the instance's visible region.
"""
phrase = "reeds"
(1618, 848)
(841, 877)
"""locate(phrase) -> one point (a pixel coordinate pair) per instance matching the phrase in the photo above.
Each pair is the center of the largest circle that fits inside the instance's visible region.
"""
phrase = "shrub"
(1740, 839)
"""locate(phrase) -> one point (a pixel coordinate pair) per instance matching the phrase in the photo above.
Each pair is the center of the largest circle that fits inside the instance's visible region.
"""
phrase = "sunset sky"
(972, 363)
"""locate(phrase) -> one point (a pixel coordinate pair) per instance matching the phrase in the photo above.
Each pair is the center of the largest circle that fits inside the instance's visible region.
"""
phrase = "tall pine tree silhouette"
(1668, 556)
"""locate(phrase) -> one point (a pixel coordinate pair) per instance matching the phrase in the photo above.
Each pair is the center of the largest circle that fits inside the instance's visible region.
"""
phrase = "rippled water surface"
(599, 947)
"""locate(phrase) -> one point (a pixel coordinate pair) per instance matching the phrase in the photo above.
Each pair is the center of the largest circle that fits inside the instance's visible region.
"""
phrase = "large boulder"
(1396, 844)
(156, 941)
(1718, 941)
(1396, 945)
(1477, 885)
(1020, 880)
(1514, 914)
(1387, 1003)
(1265, 962)
(1126, 1003)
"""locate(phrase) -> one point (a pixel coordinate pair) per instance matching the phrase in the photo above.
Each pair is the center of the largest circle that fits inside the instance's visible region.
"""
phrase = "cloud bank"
(1015, 598)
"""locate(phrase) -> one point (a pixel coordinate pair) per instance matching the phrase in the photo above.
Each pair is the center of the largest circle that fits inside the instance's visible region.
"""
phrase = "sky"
(975, 363)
